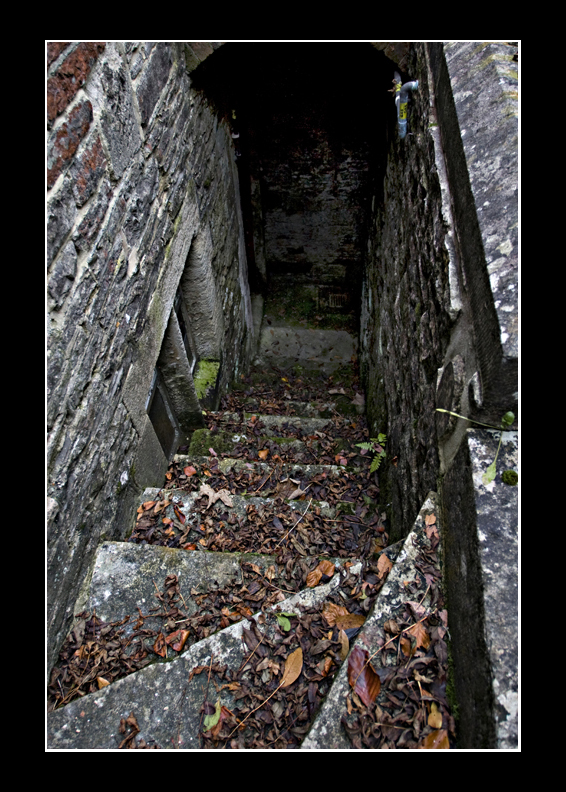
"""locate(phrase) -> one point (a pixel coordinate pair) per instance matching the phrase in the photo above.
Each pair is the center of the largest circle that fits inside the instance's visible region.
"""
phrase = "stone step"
(228, 465)
(214, 518)
(166, 698)
(319, 350)
(289, 437)
(328, 732)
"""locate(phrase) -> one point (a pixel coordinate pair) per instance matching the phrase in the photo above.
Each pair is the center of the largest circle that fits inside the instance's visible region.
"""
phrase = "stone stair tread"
(185, 502)
(327, 732)
(165, 701)
(127, 576)
(323, 350)
(303, 422)
(293, 470)
(223, 442)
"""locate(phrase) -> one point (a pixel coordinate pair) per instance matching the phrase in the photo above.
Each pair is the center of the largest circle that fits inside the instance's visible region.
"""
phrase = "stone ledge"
(481, 578)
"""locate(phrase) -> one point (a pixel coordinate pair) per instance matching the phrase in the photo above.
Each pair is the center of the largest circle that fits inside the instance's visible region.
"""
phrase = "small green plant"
(509, 476)
(376, 445)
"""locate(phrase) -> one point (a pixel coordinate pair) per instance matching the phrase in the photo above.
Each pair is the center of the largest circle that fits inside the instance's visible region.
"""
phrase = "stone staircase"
(257, 584)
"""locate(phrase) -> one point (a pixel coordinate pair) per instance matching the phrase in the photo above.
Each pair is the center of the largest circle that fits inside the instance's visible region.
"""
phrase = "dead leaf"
(189, 471)
(338, 390)
(314, 577)
(420, 633)
(263, 454)
(384, 565)
(362, 677)
(177, 639)
(430, 519)
(324, 568)
(327, 568)
(293, 667)
(102, 682)
(338, 615)
(180, 516)
(160, 647)
(213, 496)
(344, 645)
(435, 717)
(434, 740)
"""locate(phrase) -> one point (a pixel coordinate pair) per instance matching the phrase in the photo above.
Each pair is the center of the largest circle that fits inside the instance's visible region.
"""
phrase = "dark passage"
(311, 133)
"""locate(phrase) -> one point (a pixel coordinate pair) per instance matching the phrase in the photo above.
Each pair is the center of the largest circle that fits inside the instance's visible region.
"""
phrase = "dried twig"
(293, 526)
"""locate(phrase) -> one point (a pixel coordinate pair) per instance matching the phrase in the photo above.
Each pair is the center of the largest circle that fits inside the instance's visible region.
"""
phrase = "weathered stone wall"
(439, 312)
(440, 329)
(406, 309)
(142, 200)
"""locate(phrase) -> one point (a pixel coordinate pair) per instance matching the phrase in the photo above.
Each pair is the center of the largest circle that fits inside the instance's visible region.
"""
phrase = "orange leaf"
(327, 568)
(384, 565)
(313, 578)
(148, 504)
(338, 615)
(344, 645)
(362, 677)
(189, 471)
(421, 634)
(293, 667)
(159, 647)
(324, 568)
(434, 740)
(102, 682)
(177, 639)
(435, 717)
(430, 519)
(263, 454)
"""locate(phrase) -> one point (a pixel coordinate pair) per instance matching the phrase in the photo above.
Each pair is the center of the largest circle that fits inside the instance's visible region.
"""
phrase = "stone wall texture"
(142, 187)
(439, 307)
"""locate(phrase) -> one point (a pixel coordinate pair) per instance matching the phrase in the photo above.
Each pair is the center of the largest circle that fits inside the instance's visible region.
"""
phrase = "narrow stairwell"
(257, 585)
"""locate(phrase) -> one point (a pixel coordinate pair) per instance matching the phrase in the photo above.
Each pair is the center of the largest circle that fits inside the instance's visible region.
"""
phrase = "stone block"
(71, 76)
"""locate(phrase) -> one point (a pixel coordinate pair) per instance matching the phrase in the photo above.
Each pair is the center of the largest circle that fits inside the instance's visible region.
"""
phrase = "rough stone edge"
(327, 733)
(89, 716)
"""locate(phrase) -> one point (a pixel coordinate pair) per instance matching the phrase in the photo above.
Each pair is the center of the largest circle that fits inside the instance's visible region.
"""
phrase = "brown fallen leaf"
(314, 577)
(362, 677)
(344, 645)
(324, 568)
(420, 632)
(189, 471)
(223, 495)
(384, 565)
(102, 682)
(339, 615)
(263, 454)
(293, 667)
(434, 717)
(435, 740)
(177, 639)
(160, 647)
